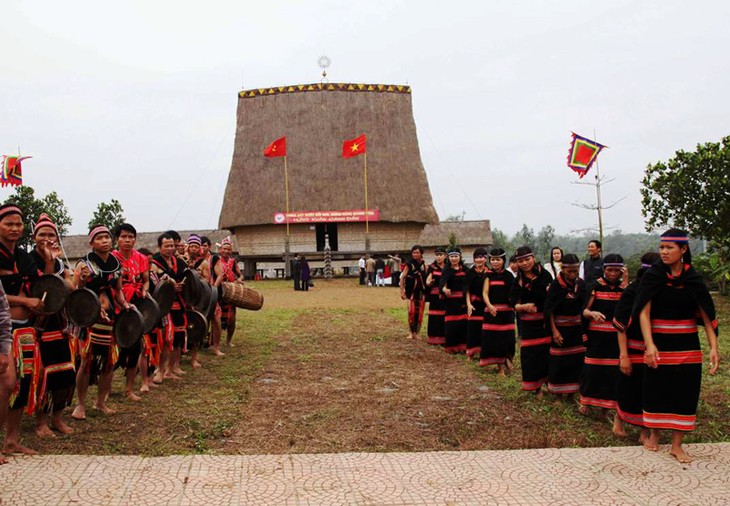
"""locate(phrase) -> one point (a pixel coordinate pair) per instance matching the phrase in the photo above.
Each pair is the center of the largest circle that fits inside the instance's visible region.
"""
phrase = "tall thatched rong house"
(326, 192)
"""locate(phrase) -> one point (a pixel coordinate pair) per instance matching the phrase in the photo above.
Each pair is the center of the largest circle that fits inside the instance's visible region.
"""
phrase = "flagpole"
(367, 218)
(598, 195)
(286, 189)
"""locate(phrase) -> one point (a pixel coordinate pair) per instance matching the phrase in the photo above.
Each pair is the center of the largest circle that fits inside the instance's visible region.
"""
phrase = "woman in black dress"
(436, 303)
(498, 329)
(629, 398)
(528, 298)
(670, 297)
(563, 309)
(453, 287)
(475, 303)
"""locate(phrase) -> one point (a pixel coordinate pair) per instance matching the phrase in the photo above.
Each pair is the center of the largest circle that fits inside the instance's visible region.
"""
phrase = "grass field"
(330, 370)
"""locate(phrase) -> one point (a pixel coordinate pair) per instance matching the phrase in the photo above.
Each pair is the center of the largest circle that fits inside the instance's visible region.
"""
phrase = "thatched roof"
(467, 233)
(77, 246)
(316, 119)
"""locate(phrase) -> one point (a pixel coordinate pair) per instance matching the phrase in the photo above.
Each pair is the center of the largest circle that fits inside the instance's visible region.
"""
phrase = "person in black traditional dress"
(57, 345)
(528, 298)
(17, 273)
(474, 283)
(629, 398)
(563, 309)
(498, 327)
(99, 271)
(670, 298)
(453, 287)
(600, 376)
(166, 265)
(413, 289)
(436, 302)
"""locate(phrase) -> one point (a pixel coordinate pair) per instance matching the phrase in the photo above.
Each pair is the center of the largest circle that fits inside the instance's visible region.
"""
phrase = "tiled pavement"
(628, 475)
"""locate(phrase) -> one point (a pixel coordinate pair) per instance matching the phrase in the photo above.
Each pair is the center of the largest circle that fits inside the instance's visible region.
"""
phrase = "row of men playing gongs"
(120, 308)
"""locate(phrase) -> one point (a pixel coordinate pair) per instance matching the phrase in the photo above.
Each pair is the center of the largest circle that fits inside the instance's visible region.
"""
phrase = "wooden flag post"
(286, 189)
(367, 217)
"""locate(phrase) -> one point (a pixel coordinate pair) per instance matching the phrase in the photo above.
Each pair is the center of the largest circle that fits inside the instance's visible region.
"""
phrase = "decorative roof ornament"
(324, 63)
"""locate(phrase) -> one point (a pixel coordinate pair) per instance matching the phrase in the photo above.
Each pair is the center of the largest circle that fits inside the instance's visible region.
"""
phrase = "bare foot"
(508, 364)
(144, 388)
(154, 385)
(132, 396)
(44, 431)
(79, 413)
(538, 393)
(680, 455)
(618, 426)
(652, 442)
(157, 380)
(643, 436)
(104, 408)
(61, 426)
(196, 365)
(179, 371)
(218, 353)
(18, 448)
(501, 373)
(583, 410)
(169, 375)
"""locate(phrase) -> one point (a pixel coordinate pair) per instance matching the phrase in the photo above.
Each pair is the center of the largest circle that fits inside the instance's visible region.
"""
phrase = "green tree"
(32, 207)
(110, 214)
(525, 237)
(500, 240)
(544, 242)
(692, 191)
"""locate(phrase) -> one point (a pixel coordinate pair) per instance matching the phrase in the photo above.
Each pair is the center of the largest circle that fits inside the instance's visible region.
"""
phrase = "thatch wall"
(316, 119)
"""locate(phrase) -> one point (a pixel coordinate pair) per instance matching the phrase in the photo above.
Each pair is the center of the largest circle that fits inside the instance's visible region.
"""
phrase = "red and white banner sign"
(348, 215)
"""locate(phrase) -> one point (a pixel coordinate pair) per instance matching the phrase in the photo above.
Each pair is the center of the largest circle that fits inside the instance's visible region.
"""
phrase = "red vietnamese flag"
(276, 148)
(354, 147)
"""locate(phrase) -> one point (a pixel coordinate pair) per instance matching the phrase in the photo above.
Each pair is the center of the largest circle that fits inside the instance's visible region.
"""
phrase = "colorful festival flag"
(583, 152)
(276, 148)
(353, 147)
(12, 172)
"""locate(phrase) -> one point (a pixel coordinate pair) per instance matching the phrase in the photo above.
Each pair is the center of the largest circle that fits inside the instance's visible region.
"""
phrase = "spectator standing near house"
(361, 268)
(395, 263)
(296, 272)
(379, 272)
(370, 270)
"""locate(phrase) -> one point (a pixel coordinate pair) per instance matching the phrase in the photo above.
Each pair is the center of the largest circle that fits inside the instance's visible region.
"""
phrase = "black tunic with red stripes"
(672, 390)
(629, 398)
(474, 322)
(436, 307)
(600, 376)
(455, 318)
(566, 359)
(498, 331)
(536, 335)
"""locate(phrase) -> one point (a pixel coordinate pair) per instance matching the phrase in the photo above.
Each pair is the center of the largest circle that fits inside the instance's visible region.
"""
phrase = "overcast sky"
(137, 101)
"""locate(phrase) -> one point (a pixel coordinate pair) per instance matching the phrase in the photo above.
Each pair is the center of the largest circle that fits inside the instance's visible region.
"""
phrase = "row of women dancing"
(628, 347)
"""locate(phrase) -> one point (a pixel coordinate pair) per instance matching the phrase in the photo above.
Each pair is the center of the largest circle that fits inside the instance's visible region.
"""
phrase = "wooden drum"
(239, 295)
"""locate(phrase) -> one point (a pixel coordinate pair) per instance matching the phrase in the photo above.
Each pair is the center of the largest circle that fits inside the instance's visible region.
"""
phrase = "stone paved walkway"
(609, 476)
